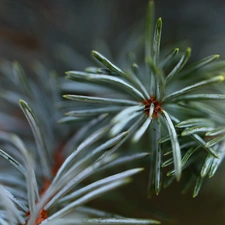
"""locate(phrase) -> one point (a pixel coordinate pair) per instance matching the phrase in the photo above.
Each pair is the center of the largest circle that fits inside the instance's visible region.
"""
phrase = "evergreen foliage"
(162, 107)
(163, 103)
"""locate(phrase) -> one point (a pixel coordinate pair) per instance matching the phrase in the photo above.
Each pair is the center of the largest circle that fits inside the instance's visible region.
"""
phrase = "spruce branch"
(69, 176)
(151, 92)
(50, 181)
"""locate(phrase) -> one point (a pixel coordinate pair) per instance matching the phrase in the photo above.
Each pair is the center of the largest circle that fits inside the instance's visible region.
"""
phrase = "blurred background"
(34, 28)
(37, 30)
